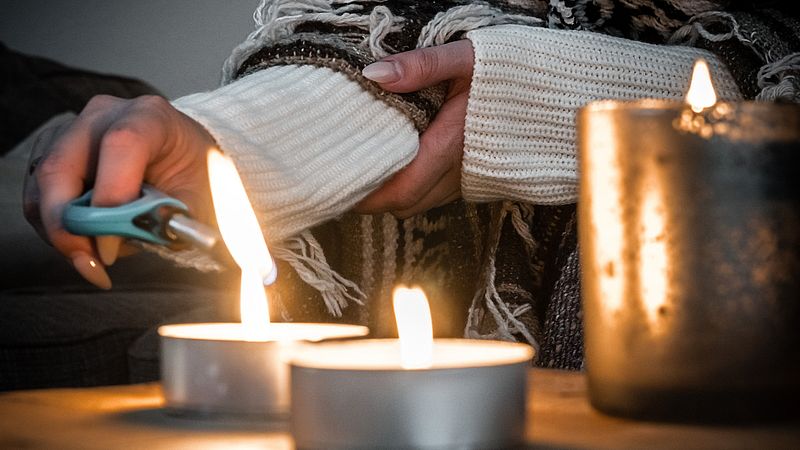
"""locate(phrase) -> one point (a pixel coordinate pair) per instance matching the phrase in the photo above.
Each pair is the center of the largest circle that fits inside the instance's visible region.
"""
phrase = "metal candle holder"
(351, 395)
(690, 240)
(211, 369)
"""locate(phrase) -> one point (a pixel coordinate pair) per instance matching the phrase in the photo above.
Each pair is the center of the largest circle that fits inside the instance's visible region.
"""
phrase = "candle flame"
(253, 305)
(701, 93)
(241, 232)
(415, 328)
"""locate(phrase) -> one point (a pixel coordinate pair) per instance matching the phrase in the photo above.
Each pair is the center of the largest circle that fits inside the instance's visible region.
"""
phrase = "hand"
(433, 178)
(114, 146)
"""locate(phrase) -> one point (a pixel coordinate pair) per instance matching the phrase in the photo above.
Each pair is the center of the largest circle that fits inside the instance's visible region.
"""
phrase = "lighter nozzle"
(182, 228)
(195, 233)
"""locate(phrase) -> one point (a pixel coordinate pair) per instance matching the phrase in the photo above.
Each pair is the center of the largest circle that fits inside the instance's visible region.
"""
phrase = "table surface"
(559, 416)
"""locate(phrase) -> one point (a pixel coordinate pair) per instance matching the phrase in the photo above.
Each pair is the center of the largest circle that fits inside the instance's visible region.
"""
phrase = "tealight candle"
(237, 368)
(415, 392)
(219, 369)
(688, 223)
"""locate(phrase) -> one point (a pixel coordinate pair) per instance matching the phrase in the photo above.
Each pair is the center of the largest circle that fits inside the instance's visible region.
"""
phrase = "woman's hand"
(433, 178)
(114, 146)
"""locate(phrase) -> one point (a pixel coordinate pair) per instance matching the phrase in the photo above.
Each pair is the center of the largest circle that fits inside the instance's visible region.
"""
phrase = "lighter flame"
(415, 328)
(242, 235)
(253, 304)
(701, 93)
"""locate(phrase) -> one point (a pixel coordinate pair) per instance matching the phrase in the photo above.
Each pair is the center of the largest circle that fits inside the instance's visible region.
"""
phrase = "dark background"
(178, 46)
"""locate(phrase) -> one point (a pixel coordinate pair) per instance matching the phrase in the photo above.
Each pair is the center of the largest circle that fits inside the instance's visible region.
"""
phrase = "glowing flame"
(415, 328)
(253, 304)
(701, 93)
(242, 235)
(653, 259)
(604, 183)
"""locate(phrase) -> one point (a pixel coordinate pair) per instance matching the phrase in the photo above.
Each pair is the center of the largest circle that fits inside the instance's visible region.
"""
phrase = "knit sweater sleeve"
(528, 84)
(308, 133)
(308, 141)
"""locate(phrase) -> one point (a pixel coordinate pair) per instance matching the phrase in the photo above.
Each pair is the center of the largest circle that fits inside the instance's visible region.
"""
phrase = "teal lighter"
(154, 217)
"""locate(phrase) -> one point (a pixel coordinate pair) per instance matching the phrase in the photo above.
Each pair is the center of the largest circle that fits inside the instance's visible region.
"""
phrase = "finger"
(42, 145)
(61, 177)
(424, 67)
(196, 198)
(407, 186)
(66, 168)
(31, 200)
(440, 150)
(448, 189)
(91, 269)
(126, 147)
(181, 171)
(125, 150)
(108, 248)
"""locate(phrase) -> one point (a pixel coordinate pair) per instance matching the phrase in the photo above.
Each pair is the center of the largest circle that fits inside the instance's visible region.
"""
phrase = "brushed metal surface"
(690, 250)
(206, 377)
(480, 407)
(206, 372)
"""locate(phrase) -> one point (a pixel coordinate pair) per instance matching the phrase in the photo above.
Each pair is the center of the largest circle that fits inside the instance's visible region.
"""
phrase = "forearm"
(528, 84)
(311, 147)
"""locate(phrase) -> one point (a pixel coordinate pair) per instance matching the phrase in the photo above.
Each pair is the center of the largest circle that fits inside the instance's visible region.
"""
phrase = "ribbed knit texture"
(527, 86)
(308, 142)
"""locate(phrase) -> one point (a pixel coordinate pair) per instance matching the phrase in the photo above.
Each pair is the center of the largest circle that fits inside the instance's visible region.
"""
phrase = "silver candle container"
(212, 369)
(689, 227)
(339, 402)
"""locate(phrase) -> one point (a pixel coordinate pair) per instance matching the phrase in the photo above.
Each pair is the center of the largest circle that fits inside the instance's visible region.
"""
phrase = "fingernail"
(91, 270)
(108, 248)
(382, 72)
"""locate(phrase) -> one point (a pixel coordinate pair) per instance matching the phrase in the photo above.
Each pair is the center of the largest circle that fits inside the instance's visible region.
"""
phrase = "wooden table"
(130, 417)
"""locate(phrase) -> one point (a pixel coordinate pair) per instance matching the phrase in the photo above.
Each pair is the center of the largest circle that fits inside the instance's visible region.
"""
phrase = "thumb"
(417, 69)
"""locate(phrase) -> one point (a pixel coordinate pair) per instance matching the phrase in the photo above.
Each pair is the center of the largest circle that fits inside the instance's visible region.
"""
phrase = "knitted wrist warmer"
(527, 86)
(308, 142)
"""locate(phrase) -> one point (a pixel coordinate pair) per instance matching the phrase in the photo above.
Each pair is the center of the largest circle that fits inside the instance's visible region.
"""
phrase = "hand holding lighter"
(154, 217)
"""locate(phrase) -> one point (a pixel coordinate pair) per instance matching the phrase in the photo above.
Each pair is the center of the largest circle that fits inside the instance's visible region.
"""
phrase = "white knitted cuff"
(308, 142)
(527, 86)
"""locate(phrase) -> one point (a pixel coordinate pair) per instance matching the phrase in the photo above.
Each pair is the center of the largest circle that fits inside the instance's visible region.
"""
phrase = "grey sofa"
(55, 328)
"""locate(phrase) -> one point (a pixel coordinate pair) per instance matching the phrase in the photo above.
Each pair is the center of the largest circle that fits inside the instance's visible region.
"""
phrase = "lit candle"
(415, 392)
(690, 253)
(237, 368)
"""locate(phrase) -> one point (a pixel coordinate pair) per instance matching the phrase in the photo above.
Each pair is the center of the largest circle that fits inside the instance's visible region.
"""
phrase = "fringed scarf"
(506, 270)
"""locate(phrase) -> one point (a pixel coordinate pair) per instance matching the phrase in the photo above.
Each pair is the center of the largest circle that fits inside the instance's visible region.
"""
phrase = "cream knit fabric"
(308, 142)
(527, 86)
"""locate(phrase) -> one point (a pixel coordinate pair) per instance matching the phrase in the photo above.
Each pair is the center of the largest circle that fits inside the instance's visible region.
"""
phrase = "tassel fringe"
(461, 19)
(488, 297)
(306, 257)
(696, 28)
(367, 254)
(391, 237)
(778, 80)
(276, 20)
